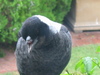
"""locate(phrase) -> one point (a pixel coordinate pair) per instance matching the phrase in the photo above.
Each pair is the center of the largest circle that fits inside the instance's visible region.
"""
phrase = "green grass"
(83, 51)
(77, 54)
(10, 73)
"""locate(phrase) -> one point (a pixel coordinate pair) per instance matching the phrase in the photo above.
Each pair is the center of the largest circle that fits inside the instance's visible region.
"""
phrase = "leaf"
(79, 63)
(82, 68)
(96, 62)
(88, 64)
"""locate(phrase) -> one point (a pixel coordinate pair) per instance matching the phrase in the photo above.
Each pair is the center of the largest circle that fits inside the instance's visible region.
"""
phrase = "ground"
(8, 63)
(85, 38)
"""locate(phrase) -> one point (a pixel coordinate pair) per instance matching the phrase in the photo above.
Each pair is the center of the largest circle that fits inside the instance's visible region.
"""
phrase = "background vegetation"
(14, 12)
(2, 54)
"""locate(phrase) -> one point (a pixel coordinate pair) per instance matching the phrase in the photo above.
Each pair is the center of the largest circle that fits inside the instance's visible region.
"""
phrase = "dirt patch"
(8, 63)
(85, 38)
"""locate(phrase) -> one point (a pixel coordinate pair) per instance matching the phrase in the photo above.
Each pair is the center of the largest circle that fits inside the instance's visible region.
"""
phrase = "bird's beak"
(29, 42)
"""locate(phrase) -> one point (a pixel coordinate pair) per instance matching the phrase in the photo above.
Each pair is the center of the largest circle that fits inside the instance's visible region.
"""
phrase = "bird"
(43, 47)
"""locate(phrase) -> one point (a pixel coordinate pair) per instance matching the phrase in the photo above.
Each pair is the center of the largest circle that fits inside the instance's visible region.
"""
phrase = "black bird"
(43, 47)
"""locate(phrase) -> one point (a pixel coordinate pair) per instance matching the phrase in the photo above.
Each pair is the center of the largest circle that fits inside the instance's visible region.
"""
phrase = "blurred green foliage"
(2, 53)
(14, 12)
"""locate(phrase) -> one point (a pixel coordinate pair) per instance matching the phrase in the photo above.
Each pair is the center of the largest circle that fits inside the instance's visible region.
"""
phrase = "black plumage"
(43, 47)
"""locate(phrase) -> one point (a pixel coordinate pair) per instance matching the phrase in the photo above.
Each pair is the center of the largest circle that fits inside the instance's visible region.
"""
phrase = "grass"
(77, 54)
(10, 73)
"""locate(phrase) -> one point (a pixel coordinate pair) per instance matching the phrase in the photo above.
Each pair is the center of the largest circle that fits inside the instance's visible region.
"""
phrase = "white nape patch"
(53, 26)
(32, 45)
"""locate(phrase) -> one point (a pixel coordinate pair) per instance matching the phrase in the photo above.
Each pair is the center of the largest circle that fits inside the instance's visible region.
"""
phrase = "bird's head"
(33, 28)
(38, 26)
